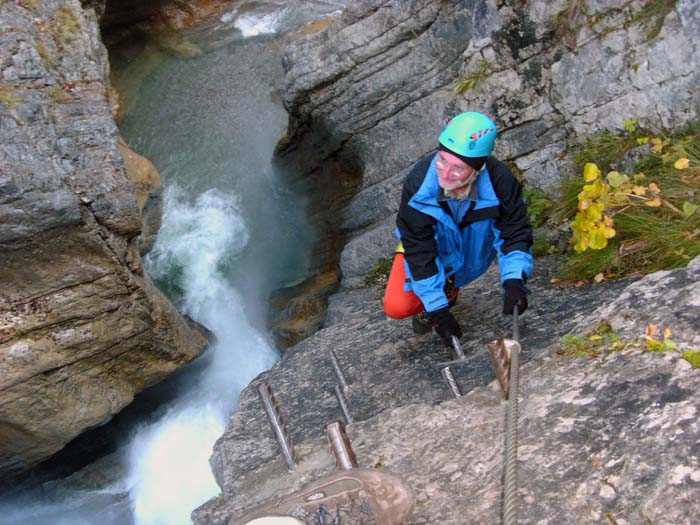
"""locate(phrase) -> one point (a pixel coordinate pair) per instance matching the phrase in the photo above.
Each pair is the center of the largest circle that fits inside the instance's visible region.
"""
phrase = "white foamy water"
(275, 16)
(169, 473)
(255, 26)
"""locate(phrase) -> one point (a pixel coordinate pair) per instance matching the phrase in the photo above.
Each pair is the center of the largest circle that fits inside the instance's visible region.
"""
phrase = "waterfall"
(169, 473)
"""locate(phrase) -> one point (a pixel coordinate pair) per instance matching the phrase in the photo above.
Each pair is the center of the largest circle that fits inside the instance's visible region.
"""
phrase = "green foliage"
(693, 357)
(602, 341)
(539, 206)
(667, 345)
(540, 247)
(592, 344)
(380, 272)
(652, 17)
(472, 78)
(638, 222)
(663, 345)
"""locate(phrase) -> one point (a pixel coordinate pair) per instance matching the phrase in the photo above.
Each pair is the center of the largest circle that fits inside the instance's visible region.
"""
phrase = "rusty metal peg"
(279, 427)
(500, 351)
(500, 359)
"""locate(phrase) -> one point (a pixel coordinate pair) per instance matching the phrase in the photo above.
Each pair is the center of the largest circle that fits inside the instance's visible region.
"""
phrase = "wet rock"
(82, 328)
(148, 187)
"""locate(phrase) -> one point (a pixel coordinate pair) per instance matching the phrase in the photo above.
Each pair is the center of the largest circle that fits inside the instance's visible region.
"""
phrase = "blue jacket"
(445, 238)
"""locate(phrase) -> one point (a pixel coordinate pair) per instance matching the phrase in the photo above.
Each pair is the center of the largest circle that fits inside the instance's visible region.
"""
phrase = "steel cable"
(510, 511)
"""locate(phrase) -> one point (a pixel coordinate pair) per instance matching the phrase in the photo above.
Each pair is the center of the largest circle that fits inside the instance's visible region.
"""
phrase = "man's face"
(453, 172)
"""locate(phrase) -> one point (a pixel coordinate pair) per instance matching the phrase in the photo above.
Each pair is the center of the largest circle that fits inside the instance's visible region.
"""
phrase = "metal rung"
(274, 415)
(451, 382)
(458, 348)
(343, 404)
(338, 371)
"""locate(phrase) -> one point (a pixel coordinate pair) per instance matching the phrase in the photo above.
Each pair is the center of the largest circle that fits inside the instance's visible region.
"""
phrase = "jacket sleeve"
(513, 232)
(417, 232)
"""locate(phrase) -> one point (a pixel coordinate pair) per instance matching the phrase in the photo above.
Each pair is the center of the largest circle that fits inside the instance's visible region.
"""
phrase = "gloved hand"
(445, 325)
(515, 293)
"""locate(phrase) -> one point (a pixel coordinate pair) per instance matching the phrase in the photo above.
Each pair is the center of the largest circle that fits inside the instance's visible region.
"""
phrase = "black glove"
(515, 294)
(445, 324)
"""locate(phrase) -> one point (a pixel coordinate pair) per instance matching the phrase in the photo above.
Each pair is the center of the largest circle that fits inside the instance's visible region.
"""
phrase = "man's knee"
(400, 309)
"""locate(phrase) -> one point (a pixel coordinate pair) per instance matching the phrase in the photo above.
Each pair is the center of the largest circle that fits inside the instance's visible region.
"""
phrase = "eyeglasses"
(457, 171)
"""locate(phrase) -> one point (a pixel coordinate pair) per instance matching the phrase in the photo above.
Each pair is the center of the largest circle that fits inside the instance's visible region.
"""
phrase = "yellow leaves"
(599, 278)
(656, 345)
(600, 196)
(590, 172)
(656, 145)
(681, 164)
(598, 236)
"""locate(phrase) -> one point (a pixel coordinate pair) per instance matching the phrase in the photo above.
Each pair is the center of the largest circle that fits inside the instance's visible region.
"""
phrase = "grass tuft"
(379, 275)
(647, 238)
(65, 27)
(472, 78)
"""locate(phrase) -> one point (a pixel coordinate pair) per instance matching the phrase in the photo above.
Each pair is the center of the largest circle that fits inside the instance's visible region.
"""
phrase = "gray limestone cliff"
(82, 328)
(374, 90)
(606, 439)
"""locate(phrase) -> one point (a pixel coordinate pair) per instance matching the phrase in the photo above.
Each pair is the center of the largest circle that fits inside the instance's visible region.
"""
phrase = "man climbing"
(460, 209)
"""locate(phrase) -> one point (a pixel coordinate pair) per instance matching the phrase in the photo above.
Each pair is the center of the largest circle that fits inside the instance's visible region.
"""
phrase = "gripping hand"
(445, 325)
(515, 293)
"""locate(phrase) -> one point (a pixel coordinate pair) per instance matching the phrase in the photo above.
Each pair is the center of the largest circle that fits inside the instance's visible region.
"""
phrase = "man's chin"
(454, 186)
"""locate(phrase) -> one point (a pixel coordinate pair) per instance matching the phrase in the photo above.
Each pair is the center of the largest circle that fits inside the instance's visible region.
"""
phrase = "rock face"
(612, 437)
(377, 87)
(605, 439)
(82, 328)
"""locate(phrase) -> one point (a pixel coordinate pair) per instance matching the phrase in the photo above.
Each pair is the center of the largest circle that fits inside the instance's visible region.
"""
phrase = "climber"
(460, 209)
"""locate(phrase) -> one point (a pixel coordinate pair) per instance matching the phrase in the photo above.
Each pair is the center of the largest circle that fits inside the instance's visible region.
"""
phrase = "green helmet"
(469, 134)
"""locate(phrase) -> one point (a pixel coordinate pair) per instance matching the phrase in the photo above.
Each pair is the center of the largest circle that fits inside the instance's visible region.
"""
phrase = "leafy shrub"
(640, 222)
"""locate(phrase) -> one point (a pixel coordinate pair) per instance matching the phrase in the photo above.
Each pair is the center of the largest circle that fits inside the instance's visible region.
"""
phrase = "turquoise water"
(232, 232)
